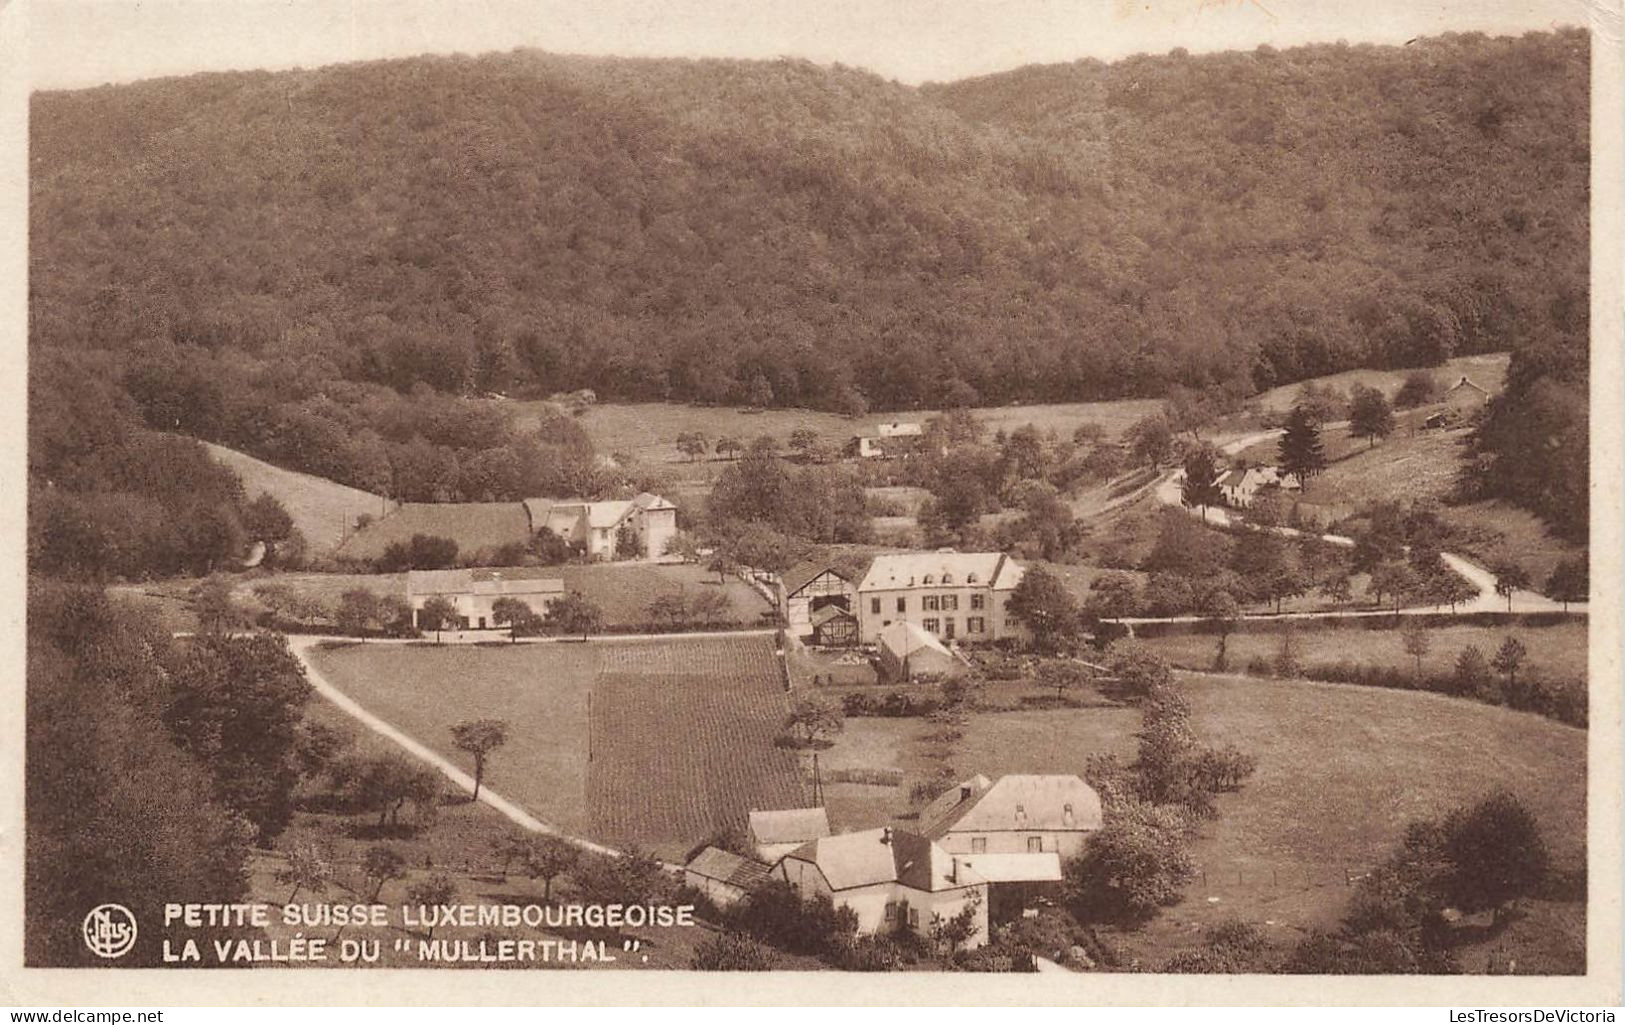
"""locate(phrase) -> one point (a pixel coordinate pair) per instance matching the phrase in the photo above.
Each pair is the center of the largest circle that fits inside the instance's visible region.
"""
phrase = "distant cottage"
(1466, 397)
(639, 528)
(890, 439)
(1241, 486)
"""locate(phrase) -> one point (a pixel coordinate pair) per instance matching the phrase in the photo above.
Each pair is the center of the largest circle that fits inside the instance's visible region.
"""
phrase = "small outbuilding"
(724, 876)
(834, 627)
(908, 651)
(773, 834)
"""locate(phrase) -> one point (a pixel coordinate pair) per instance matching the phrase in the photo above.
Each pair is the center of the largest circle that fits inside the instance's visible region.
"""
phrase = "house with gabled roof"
(1049, 815)
(1466, 397)
(950, 595)
(775, 833)
(809, 588)
(891, 879)
(606, 530)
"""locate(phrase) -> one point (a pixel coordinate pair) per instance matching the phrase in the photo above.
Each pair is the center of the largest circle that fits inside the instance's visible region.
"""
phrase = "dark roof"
(826, 613)
(727, 867)
(802, 574)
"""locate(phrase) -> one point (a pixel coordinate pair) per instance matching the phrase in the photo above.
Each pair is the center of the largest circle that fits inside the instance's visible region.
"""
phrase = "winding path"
(301, 645)
(1168, 492)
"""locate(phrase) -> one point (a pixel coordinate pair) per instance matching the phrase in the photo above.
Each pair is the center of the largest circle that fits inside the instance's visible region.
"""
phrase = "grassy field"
(657, 745)
(461, 842)
(647, 431)
(1555, 652)
(473, 525)
(1493, 530)
(540, 690)
(323, 511)
(1341, 771)
(1487, 371)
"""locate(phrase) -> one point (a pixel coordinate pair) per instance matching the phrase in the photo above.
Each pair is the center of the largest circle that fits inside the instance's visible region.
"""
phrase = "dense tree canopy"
(776, 233)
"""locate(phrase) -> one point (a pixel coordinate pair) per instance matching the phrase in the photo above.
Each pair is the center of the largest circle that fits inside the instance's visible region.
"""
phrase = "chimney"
(885, 835)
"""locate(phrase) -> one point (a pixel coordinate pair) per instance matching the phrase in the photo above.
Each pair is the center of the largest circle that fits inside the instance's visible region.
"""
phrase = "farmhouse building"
(473, 592)
(1241, 486)
(950, 595)
(1466, 397)
(890, 439)
(774, 834)
(811, 588)
(893, 880)
(639, 528)
(908, 652)
(723, 876)
(1018, 816)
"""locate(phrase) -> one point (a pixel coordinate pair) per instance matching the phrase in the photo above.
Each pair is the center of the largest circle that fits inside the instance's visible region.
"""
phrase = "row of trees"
(1139, 860)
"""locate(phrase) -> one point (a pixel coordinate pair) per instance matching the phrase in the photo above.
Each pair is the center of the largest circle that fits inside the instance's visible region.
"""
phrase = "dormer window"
(1021, 815)
(929, 580)
(1066, 816)
(970, 578)
(947, 578)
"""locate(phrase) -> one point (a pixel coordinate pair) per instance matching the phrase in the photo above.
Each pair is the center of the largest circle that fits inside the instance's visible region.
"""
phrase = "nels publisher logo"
(110, 930)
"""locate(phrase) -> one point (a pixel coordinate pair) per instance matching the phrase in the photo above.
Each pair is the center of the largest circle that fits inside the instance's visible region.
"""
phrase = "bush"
(732, 952)
(892, 704)
(1132, 867)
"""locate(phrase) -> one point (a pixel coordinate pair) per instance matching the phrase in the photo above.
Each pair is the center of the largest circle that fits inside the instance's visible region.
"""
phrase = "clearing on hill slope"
(323, 511)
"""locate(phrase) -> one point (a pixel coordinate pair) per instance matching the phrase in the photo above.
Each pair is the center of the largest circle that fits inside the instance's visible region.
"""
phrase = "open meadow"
(323, 511)
(650, 744)
(475, 526)
(1487, 370)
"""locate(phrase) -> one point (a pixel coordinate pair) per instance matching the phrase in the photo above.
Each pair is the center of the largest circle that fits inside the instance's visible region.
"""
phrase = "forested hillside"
(333, 269)
(780, 233)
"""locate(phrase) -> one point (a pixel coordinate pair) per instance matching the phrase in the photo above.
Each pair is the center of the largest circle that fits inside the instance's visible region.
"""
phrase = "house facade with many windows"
(473, 592)
(954, 596)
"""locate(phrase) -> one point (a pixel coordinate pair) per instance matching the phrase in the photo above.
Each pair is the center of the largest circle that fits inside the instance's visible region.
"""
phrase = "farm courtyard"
(654, 745)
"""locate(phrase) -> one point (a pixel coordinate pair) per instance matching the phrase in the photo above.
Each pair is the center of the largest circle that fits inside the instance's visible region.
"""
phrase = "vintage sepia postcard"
(544, 502)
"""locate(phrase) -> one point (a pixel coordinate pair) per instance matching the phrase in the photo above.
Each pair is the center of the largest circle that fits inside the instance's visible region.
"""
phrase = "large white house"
(473, 592)
(892, 880)
(951, 595)
(603, 529)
